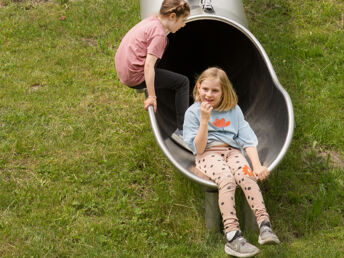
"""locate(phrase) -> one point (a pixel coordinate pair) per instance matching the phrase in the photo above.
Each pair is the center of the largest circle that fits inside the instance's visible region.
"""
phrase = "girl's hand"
(261, 172)
(206, 111)
(150, 101)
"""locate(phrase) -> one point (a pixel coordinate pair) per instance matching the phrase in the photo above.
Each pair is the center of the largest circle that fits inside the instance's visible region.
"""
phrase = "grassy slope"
(81, 174)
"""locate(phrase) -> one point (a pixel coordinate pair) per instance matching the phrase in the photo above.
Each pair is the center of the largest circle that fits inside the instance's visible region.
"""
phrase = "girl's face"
(176, 23)
(210, 91)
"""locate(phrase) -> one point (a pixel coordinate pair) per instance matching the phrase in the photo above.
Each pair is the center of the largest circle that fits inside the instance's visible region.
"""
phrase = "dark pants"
(179, 83)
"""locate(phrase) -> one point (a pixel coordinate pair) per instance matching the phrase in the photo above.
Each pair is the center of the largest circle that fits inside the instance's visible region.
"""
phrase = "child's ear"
(172, 16)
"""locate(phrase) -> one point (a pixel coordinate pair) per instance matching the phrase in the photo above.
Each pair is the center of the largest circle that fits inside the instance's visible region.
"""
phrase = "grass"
(81, 174)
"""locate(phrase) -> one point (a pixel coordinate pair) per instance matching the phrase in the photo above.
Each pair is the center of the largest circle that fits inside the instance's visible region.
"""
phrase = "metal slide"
(216, 34)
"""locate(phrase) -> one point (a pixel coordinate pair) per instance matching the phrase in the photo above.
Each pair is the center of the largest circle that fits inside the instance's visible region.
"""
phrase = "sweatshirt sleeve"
(246, 136)
(190, 129)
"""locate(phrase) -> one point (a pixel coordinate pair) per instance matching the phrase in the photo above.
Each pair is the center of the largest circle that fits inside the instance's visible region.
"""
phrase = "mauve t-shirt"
(146, 37)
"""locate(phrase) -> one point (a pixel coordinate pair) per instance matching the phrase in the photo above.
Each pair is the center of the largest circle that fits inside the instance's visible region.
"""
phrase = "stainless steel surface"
(207, 6)
(232, 9)
(149, 7)
(222, 39)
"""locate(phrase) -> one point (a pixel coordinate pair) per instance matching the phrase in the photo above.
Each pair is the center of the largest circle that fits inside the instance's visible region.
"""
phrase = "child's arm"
(201, 138)
(149, 72)
(260, 171)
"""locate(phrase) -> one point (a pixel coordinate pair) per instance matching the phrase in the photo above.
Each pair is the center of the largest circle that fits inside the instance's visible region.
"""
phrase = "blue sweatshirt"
(229, 127)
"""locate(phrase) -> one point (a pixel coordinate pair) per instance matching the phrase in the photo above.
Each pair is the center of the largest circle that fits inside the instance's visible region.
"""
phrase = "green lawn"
(81, 173)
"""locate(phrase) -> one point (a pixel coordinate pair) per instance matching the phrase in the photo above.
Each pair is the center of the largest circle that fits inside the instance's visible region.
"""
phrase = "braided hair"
(179, 7)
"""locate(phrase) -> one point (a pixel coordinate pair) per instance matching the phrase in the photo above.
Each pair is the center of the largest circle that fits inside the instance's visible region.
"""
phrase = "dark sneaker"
(177, 136)
(239, 247)
(266, 235)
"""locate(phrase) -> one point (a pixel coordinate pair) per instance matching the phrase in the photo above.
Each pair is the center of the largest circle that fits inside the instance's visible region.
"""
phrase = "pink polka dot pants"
(228, 168)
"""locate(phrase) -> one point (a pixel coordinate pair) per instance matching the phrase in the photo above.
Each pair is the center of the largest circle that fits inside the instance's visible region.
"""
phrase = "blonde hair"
(229, 98)
(179, 7)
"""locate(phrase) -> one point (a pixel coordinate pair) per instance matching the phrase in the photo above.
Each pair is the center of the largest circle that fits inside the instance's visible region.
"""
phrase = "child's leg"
(244, 177)
(165, 79)
(213, 165)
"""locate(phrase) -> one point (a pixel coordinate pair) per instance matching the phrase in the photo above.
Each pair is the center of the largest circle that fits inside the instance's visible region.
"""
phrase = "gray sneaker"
(239, 247)
(177, 136)
(266, 235)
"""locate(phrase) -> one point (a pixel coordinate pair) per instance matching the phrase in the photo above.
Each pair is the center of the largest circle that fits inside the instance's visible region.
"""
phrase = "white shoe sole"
(269, 241)
(229, 251)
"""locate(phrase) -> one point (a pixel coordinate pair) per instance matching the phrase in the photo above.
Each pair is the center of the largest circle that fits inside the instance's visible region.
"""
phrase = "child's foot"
(239, 247)
(266, 235)
(177, 136)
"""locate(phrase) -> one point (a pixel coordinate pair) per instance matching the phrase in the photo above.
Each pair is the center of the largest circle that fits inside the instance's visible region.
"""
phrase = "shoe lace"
(242, 241)
(265, 229)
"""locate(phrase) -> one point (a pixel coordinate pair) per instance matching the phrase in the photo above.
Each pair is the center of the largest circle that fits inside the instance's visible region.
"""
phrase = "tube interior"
(205, 43)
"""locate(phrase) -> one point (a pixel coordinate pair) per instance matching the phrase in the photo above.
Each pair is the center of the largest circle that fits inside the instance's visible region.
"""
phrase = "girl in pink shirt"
(143, 46)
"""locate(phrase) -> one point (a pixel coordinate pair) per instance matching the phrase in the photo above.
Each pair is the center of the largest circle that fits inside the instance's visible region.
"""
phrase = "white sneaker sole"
(269, 241)
(230, 251)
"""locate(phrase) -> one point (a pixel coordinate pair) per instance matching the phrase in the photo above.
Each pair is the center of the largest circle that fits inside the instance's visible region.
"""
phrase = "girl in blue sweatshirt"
(216, 131)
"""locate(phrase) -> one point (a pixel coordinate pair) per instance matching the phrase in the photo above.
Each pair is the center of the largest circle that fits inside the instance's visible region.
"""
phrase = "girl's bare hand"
(206, 111)
(150, 102)
(261, 172)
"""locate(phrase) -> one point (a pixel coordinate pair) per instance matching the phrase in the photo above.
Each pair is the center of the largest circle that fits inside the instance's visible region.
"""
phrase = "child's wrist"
(152, 97)
(204, 121)
(256, 166)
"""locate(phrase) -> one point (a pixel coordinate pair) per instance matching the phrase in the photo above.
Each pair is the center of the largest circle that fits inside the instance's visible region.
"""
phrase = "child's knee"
(227, 183)
(186, 81)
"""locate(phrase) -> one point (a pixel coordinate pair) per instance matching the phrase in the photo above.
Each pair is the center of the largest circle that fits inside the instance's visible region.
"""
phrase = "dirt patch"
(91, 41)
(335, 158)
(36, 86)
